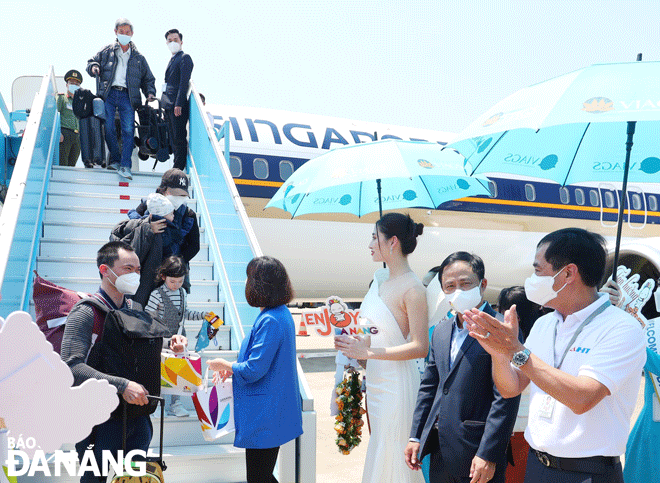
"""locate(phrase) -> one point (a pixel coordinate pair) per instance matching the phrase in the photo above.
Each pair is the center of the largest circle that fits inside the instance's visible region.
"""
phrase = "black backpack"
(83, 103)
(153, 132)
(129, 347)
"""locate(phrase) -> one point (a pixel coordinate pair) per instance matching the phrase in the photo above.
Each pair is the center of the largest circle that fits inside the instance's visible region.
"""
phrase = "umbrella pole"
(622, 204)
(624, 188)
(380, 205)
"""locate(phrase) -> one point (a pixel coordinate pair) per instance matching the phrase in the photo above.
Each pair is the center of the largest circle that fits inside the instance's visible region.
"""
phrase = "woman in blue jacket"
(267, 405)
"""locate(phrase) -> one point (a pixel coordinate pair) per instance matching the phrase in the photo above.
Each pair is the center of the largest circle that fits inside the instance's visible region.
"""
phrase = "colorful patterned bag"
(181, 373)
(215, 409)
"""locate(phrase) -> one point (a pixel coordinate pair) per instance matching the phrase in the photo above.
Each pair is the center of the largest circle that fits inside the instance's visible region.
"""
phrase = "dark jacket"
(473, 418)
(190, 245)
(138, 74)
(177, 77)
(148, 247)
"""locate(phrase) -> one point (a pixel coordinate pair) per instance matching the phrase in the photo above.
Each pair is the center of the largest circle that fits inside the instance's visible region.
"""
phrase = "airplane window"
(579, 196)
(530, 192)
(260, 167)
(609, 199)
(564, 195)
(492, 186)
(636, 202)
(653, 203)
(235, 166)
(286, 170)
(593, 197)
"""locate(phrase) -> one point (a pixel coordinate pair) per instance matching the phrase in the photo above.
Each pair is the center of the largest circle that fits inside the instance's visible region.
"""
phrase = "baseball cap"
(176, 179)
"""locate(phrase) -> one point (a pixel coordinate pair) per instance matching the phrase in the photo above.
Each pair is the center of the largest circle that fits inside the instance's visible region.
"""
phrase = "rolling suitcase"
(92, 141)
(155, 465)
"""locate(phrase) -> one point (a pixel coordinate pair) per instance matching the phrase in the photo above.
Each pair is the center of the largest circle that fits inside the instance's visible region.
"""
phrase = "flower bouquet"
(348, 423)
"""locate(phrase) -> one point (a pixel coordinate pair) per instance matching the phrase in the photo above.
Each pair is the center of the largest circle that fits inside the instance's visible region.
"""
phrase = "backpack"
(83, 103)
(52, 305)
(153, 132)
(129, 347)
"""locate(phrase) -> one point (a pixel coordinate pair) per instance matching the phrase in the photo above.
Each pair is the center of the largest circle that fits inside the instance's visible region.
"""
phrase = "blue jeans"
(108, 436)
(119, 100)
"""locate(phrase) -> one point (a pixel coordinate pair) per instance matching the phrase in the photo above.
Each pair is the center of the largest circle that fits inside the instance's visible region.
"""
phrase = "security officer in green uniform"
(70, 138)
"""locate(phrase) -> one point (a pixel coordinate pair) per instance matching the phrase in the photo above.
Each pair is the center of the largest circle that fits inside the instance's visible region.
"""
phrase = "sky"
(427, 64)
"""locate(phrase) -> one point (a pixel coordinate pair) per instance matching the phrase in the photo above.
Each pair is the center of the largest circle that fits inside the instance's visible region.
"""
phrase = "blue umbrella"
(573, 129)
(377, 176)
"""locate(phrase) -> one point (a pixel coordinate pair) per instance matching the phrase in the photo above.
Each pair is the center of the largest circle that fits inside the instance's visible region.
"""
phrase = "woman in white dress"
(396, 304)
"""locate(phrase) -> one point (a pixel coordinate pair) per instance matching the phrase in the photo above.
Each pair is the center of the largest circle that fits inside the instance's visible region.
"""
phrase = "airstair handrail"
(231, 186)
(5, 111)
(14, 199)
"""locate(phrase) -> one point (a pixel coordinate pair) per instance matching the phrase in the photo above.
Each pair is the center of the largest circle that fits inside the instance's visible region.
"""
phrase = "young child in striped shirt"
(167, 304)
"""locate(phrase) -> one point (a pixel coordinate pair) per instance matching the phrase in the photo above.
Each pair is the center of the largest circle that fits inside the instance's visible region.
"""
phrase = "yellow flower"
(345, 451)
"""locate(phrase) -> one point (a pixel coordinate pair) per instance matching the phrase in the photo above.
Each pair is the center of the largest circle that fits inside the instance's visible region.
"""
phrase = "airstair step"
(65, 266)
(74, 175)
(76, 213)
(99, 200)
(87, 248)
(200, 290)
(140, 187)
(81, 229)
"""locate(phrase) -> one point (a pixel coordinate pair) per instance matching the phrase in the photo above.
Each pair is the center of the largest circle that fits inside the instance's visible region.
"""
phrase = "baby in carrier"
(167, 304)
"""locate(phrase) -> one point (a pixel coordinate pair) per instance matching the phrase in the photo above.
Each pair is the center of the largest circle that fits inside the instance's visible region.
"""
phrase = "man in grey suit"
(461, 419)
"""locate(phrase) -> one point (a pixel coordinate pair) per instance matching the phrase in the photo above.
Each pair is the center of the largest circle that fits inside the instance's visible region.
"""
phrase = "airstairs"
(56, 218)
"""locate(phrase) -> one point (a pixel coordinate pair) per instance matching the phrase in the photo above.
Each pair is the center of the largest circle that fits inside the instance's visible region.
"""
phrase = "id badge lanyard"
(593, 315)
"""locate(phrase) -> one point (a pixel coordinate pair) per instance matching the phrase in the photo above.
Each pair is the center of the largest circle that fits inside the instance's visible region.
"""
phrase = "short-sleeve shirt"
(68, 119)
(611, 350)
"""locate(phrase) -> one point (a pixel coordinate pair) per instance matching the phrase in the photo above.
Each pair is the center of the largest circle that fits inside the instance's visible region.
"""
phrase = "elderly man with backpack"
(123, 72)
(110, 337)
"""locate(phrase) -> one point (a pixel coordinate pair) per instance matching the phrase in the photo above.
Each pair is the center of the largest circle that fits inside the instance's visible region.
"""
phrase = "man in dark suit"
(461, 419)
(175, 96)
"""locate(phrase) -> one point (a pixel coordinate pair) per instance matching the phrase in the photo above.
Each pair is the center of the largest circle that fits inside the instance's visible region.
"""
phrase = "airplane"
(326, 254)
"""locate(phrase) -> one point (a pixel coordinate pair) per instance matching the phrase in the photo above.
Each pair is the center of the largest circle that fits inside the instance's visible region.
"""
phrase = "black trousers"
(260, 464)
(537, 473)
(179, 136)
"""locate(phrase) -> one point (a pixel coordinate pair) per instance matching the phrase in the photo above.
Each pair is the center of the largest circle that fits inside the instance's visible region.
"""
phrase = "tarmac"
(316, 356)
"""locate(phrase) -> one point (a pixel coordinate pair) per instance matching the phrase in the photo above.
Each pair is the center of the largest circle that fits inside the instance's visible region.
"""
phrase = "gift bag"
(181, 373)
(215, 409)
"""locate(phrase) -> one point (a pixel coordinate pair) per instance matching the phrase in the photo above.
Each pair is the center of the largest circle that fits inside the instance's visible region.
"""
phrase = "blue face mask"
(123, 39)
(72, 88)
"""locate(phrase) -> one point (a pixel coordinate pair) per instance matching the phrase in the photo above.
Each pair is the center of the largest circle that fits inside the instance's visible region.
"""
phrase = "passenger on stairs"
(70, 137)
(167, 304)
(174, 186)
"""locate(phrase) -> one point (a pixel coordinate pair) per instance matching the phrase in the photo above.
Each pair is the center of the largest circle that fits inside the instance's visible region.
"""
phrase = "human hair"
(174, 31)
(172, 266)
(123, 21)
(578, 246)
(108, 254)
(403, 227)
(527, 310)
(267, 284)
(471, 259)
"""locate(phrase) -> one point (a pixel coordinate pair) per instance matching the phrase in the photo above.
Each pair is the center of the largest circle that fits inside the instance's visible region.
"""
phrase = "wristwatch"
(520, 358)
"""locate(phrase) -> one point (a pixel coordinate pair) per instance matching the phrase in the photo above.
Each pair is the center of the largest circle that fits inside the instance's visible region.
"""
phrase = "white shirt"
(122, 65)
(611, 350)
(458, 336)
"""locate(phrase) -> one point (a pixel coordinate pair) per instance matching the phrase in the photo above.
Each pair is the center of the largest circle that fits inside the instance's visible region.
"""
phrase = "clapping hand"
(497, 338)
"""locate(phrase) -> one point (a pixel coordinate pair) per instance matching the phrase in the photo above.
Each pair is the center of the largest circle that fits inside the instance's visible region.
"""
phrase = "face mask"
(177, 200)
(123, 39)
(174, 47)
(73, 88)
(539, 289)
(128, 283)
(461, 300)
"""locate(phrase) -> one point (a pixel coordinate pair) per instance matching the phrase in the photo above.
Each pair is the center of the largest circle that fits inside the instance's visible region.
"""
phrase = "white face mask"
(123, 39)
(461, 300)
(174, 47)
(128, 283)
(177, 200)
(539, 289)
